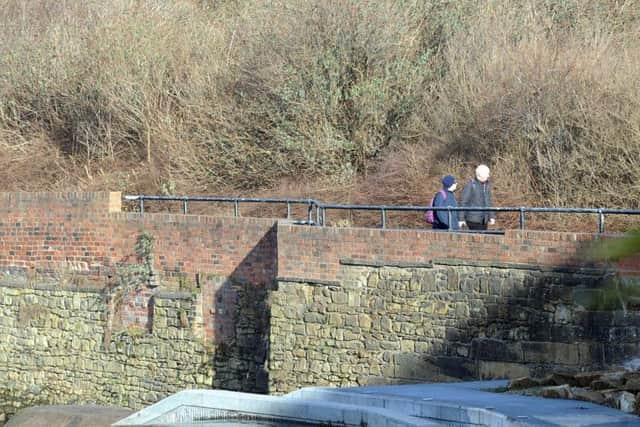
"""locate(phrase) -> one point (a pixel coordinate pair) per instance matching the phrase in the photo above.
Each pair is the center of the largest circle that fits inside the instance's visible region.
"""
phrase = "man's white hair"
(482, 171)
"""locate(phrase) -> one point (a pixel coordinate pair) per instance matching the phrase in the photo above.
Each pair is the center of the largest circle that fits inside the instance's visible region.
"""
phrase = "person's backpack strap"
(430, 216)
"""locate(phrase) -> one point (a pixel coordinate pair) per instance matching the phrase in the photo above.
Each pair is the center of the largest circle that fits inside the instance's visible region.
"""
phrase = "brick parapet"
(315, 252)
(186, 245)
(86, 232)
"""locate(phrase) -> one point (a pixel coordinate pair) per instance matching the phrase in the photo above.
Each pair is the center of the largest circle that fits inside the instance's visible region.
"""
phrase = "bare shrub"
(322, 86)
(558, 101)
(109, 83)
(348, 101)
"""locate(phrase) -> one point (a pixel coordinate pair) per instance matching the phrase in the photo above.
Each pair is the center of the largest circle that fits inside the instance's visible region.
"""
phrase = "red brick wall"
(189, 244)
(47, 231)
(315, 253)
(87, 231)
(193, 248)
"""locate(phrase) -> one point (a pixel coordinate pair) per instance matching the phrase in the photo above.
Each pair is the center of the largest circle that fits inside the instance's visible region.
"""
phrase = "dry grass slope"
(351, 101)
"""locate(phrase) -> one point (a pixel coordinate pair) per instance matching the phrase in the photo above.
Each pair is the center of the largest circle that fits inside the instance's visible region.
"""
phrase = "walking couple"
(477, 193)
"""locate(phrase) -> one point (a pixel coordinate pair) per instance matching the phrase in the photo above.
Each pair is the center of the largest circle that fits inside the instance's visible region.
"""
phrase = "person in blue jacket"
(445, 198)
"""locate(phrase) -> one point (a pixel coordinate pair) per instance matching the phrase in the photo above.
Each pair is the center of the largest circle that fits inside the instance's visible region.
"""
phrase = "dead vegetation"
(354, 102)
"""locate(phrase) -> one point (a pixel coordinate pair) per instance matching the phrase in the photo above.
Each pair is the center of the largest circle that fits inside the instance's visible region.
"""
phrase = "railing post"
(324, 216)
(522, 220)
(384, 218)
(141, 205)
(236, 208)
(317, 215)
(600, 221)
(186, 209)
(450, 218)
(288, 210)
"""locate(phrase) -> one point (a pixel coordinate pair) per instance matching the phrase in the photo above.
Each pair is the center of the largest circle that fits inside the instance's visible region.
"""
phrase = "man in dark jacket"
(445, 198)
(477, 193)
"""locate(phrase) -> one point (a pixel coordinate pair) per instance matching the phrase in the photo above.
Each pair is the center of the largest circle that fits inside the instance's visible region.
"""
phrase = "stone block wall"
(57, 347)
(451, 320)
(53, 350)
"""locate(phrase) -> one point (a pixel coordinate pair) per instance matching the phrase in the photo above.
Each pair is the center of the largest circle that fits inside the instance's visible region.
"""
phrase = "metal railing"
(310, 203)
(316, 212)
(601, 212)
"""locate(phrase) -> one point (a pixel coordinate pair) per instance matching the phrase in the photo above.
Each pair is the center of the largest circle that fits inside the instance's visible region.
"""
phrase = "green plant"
(617, 249)
(144, 251)
(620, 292)
(132, 331)
(127, 279)
(617, 294)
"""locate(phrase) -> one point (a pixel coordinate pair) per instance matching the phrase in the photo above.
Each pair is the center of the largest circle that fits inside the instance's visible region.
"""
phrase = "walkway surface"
(462, 404)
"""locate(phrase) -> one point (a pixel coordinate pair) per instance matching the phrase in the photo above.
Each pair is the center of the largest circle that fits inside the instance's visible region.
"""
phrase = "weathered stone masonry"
(395, 325)
(258, 305)
(52, 350)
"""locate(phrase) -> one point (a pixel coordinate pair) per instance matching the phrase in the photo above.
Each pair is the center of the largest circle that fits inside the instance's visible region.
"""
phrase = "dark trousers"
(477, 225)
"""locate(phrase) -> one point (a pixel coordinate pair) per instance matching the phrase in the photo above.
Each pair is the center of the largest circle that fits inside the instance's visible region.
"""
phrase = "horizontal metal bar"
(217, 199)
(409, 208)
(480, 208)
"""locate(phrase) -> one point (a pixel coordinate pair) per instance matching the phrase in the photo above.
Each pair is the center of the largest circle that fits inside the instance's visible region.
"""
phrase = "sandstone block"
(588, 395)
(339, 297)
(632, 385)
(584, 379)
(608, 380)
(364, 321)
(335, 319)
(523, 383)
(557, 392)
(622, 400)
(490, 369)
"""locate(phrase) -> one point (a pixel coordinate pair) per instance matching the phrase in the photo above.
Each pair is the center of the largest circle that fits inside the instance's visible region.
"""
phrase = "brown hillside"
(352, 102)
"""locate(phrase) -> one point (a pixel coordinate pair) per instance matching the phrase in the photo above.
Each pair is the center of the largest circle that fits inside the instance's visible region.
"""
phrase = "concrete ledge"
(215, 405)
(50, 286)
(174, 295)
(312, 282)
(589, 271)
(473, 403)
(400, 264)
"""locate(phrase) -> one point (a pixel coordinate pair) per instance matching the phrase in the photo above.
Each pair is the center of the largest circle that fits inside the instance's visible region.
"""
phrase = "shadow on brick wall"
(239, 319)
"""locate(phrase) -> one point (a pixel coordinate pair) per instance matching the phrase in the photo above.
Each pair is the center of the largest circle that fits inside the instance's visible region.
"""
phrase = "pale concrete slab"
(463, 404)
(474, 402)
